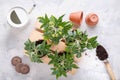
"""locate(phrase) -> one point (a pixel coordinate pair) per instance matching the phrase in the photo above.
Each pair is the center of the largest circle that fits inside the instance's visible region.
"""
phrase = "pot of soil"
(63, 62)
(40, 52)
(37, 50)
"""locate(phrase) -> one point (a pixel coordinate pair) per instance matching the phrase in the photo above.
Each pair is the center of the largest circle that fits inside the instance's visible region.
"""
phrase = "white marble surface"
(107, 30)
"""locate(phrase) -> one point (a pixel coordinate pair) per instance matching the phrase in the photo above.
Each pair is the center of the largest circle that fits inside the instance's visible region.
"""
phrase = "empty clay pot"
(91, 19)
(76, 17)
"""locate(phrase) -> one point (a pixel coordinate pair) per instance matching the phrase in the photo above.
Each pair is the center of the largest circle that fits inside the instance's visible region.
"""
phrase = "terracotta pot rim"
(81, 17)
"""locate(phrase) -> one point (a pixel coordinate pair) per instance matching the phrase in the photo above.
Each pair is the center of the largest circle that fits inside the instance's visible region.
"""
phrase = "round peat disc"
(15, 60)
(25, 69)
(18, 67)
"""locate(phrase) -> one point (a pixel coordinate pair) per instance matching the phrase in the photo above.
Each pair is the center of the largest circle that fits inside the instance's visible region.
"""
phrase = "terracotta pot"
(91, 19)
(36, 35)
(60, 47)
(37, 26)
(76, 18)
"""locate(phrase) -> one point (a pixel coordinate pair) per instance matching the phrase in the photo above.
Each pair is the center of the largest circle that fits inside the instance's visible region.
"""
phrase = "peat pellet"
(15, 60)
(25, 69)
(18, 67)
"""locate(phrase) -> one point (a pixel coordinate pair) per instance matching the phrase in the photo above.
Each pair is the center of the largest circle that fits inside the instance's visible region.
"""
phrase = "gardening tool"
(103, 55)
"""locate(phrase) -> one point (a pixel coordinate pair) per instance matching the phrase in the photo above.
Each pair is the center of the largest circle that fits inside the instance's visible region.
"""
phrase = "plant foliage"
(56, 29)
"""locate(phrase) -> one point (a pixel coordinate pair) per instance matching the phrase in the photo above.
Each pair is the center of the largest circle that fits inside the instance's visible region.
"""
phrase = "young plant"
(36, 51)
(54, 29)
(78, 42)
(62, 63)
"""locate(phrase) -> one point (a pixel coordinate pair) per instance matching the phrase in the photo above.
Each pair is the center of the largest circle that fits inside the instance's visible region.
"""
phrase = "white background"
(108, 32)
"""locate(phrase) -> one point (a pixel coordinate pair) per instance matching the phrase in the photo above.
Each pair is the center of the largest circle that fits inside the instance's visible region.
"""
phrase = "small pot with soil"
(40, 44)
(37, 50)
(60, 47)
(63, 61)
